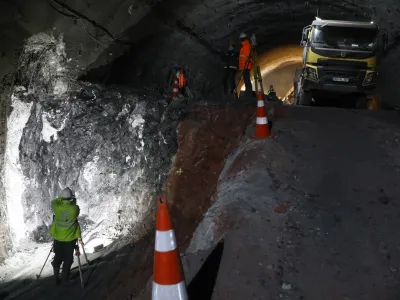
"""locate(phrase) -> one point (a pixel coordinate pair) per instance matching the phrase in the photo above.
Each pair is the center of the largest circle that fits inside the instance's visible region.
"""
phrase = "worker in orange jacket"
(246, 63)
(181, 81)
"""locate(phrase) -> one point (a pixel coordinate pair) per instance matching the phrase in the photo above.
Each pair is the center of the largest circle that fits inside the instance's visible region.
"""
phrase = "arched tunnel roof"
(155, 34)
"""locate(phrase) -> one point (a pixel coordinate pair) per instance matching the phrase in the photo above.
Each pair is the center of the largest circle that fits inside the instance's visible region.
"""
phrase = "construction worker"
(271, 94)
(246, 63)
(231, 63)
(181, 81)
(66, 231)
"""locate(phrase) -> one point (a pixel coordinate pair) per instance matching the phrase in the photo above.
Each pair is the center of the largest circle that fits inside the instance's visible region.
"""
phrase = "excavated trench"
(115, 140)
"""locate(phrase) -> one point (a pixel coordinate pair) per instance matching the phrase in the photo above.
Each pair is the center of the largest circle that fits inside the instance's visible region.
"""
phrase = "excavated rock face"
(113, 147)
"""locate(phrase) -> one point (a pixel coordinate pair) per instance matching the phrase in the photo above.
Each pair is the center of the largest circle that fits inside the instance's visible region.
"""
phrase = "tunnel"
(84, 103)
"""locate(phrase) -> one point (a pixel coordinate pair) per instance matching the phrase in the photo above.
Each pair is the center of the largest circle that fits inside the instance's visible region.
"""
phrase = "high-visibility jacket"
(65, 226)
(181, 79)
(271, 91)
(244, 57)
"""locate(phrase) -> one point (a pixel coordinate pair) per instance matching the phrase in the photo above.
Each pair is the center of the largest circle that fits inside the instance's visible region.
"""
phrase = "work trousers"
(64, 253)
(247, 83)
(229, 80)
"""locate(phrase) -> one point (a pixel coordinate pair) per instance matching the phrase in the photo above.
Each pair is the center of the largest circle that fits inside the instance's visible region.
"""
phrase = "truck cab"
(339, 57)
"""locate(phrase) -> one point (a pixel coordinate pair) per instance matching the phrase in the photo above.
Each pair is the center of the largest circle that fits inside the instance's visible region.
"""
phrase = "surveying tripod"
(253, 57)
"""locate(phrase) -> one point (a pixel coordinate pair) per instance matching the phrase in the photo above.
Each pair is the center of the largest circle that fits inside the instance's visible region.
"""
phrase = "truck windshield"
(345, 37)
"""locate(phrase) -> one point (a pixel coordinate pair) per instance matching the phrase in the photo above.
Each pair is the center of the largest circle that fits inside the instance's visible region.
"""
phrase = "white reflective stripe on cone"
(260, 103)
(169, 292)
(262, 121)
(165, 241)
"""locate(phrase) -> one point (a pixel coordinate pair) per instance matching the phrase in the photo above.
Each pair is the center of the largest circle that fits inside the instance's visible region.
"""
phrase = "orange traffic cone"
(175, 89)
(168, 281)
(262, 127)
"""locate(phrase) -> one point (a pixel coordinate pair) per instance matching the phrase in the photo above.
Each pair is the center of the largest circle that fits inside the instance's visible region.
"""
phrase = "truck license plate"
(340, 79)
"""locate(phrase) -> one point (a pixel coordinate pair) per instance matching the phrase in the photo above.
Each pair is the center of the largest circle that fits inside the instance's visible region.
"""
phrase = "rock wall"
(4, 228)
(113, 147)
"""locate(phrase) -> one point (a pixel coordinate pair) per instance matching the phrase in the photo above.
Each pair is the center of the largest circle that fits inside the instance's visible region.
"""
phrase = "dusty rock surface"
(337, 237)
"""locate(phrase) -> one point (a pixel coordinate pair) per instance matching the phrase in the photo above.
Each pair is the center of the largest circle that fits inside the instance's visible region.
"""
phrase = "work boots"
(56, 272)
(65, 275)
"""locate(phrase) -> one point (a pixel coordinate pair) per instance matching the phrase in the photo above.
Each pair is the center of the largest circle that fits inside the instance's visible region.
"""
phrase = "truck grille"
(345, 74)
(355, 76)
(340, 63)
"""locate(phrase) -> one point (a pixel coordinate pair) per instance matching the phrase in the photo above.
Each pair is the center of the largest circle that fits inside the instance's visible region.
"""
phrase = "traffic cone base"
(168, 280)
(169, 292)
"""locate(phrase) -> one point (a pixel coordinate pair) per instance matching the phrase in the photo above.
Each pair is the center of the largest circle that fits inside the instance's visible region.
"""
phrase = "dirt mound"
(205, 140)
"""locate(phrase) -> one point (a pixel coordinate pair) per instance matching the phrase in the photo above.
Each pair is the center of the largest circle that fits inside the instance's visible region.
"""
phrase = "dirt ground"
(312, 214)
(205, 141)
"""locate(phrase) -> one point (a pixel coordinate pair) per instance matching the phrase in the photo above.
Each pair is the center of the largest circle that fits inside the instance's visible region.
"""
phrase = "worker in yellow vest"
(66, 231)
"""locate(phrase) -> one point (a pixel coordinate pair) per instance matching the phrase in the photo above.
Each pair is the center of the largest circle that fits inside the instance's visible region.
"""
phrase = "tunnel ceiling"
(154, 34)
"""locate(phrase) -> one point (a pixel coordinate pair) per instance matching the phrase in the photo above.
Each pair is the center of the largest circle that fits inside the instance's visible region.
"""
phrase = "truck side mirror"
(304, 37)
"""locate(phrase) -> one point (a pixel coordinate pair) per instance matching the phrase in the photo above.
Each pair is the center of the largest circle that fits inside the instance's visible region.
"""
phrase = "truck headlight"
(311, 74)
(370, 78)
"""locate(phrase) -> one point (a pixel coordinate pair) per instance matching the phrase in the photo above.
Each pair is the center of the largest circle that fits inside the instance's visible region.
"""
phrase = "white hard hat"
(66, 193)
(243, 35)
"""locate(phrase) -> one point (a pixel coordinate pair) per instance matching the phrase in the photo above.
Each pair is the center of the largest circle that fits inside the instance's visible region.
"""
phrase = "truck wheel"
(304, 98)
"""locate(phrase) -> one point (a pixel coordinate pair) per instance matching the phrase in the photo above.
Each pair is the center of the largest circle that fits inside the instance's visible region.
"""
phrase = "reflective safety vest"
(181, 79)
(271, 91)
(244, 57)
(65, 226)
